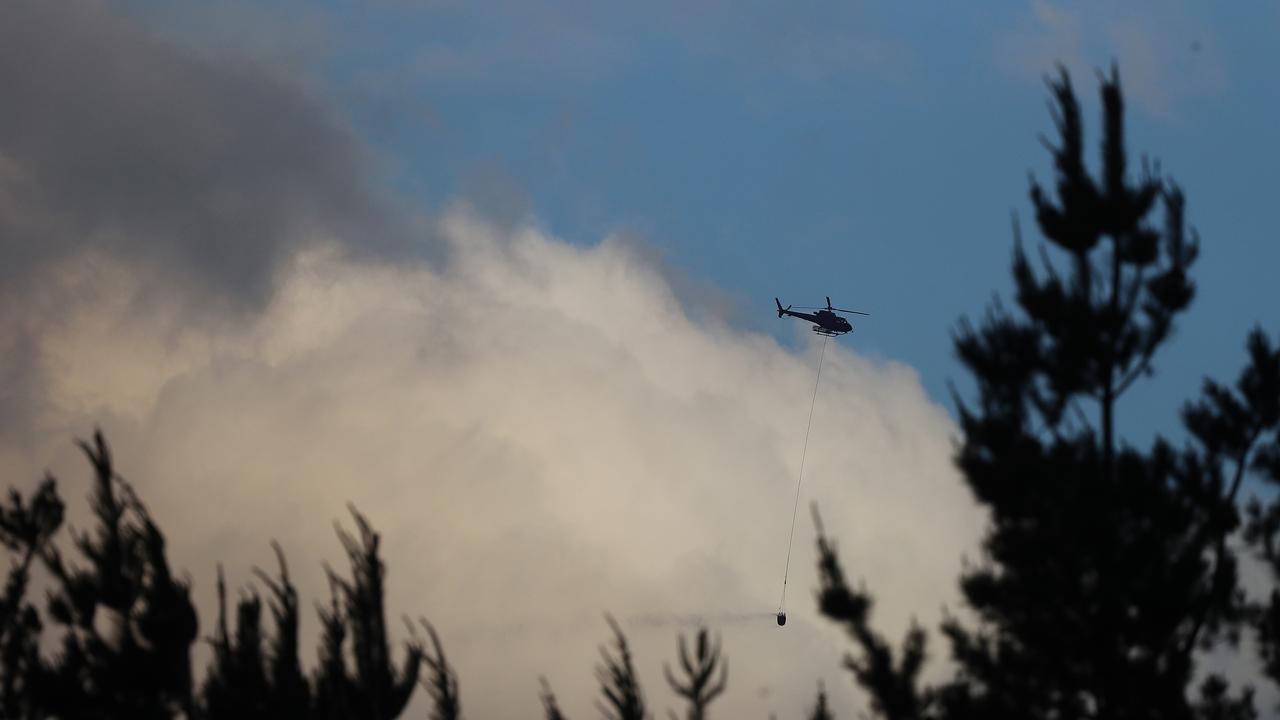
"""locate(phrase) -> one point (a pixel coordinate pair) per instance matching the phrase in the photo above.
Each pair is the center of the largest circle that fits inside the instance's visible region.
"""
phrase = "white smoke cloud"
(541, 433)
(1169, 60)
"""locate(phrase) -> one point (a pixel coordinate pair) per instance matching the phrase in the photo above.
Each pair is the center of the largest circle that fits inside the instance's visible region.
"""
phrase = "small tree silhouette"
(236, 684)
(820, 710)
(549, 705)
(290, 693)
(25, 530)
(373, 688)
(623, 698)
(129, 624)
(442, 681)
(700, 685)
(892, 684)
(242, 682)
(331, 699)
(245, 682)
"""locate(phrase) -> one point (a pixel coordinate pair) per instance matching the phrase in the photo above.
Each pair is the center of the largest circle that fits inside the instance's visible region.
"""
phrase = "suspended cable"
(804, 454)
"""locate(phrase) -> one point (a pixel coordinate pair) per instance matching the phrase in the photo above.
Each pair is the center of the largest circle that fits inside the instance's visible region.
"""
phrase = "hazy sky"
(501, 274)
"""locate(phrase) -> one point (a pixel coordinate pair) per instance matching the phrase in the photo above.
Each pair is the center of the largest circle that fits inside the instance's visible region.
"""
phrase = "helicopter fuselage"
(824, 321)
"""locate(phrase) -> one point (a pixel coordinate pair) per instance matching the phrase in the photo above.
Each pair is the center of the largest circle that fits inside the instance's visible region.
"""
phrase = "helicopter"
(827, 321)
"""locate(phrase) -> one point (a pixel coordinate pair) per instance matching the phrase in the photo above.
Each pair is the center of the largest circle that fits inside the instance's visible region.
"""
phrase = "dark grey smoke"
(204, 172)
(201, 175)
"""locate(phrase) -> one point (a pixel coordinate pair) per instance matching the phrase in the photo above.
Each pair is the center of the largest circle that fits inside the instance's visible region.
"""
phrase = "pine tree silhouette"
(1105, 566)
(623, 698)
(700, 685)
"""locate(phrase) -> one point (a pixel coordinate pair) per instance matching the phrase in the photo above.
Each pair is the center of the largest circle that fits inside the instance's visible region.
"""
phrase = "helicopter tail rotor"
(781, 311)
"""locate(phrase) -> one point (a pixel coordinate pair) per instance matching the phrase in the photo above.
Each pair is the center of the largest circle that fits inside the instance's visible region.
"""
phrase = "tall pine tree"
(1104, 568)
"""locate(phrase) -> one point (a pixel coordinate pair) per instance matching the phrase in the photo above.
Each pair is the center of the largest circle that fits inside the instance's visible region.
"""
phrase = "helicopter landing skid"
(829, 333)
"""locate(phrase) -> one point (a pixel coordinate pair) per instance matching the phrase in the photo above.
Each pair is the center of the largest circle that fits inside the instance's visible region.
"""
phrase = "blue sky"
(870, 151)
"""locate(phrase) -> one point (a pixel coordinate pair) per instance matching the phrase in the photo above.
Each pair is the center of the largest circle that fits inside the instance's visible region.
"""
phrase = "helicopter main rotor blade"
(810, 307)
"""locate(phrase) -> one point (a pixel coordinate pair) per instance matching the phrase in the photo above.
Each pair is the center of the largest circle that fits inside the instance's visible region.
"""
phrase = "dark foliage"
(242, 682)
(1252, 413)
(125, 627)
(372, 688)
(237, 681)
(1105, 566)
(442, 681)
(249, 680)
(891, 683)
(290, 689)
(126, 624)
(1217, 703)
(25, 530)
(623, 698)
